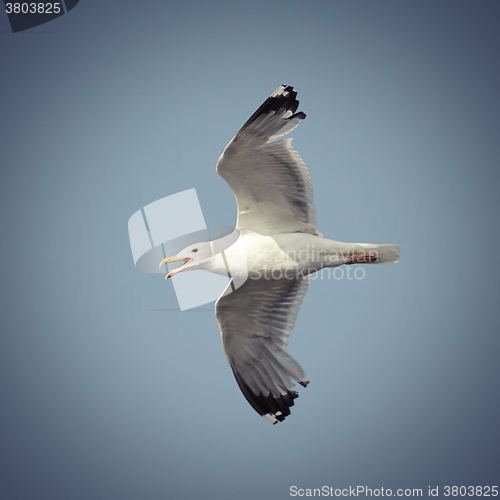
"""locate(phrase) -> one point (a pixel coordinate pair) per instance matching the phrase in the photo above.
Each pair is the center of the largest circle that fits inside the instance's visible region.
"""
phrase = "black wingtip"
(283, 97)
(300, 115)
(269, 407)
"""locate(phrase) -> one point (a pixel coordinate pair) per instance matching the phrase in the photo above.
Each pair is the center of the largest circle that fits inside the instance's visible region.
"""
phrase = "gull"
(277, 250)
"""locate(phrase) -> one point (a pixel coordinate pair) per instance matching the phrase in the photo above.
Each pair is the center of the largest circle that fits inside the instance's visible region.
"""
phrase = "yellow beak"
(186, 260)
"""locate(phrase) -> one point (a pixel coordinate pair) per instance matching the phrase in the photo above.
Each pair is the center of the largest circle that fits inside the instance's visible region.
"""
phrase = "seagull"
(277, 250)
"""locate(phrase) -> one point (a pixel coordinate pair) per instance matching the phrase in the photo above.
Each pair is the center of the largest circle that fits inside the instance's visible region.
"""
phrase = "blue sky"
(107, 391)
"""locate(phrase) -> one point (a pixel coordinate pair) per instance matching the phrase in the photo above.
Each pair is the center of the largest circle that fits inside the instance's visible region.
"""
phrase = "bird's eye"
(195, 250)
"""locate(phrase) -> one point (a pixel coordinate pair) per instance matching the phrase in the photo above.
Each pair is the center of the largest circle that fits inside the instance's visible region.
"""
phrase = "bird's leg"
(360, 258)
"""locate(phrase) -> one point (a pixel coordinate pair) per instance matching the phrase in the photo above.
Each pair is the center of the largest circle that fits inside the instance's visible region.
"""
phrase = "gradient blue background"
(106, 391)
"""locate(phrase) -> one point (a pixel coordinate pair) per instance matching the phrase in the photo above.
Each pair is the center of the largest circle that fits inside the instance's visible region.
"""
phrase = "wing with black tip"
(271, 183)
(255, 322)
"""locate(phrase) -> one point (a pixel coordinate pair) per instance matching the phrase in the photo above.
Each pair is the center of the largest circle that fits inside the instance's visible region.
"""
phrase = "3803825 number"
(33, 8)
(470, 491)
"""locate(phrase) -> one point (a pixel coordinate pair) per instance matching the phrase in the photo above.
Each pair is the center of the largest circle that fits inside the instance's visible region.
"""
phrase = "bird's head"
(191, 255)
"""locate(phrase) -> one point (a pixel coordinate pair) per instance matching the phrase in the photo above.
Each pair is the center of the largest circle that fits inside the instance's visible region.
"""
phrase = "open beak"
(186, 260)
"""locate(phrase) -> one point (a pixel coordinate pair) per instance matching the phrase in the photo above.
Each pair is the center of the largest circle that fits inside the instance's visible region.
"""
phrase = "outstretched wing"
(271, 183)
(255, 322)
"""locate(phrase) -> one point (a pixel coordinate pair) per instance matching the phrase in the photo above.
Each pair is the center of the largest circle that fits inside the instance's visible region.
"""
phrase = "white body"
(289, 255)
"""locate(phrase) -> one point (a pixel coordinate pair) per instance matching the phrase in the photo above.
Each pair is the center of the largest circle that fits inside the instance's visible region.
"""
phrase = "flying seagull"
(278, 248)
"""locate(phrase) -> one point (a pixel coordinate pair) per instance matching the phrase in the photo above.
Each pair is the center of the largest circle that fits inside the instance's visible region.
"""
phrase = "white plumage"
(278, 248)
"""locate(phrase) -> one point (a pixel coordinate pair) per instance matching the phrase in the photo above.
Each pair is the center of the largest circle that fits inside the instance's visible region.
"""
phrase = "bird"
(277, 249)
